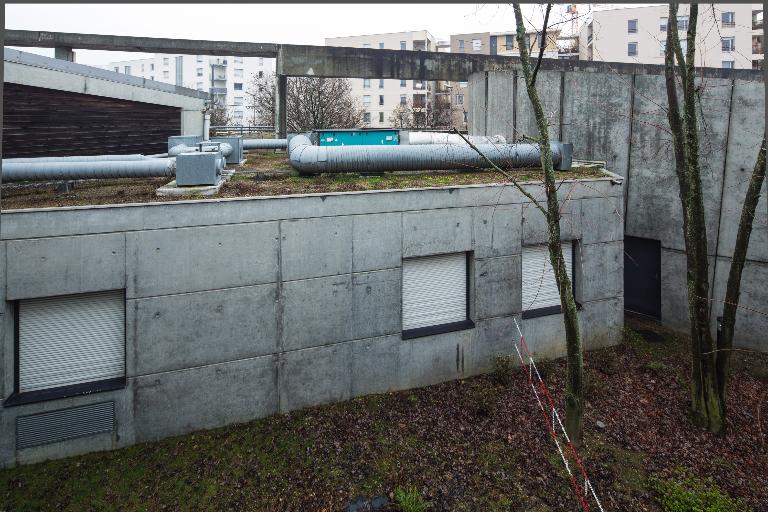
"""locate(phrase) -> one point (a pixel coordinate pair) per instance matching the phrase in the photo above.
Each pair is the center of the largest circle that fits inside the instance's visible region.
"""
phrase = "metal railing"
(241, 130)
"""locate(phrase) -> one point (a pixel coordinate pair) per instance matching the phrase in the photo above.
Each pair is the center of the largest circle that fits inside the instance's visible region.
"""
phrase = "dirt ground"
(477, 444)
(263, 174)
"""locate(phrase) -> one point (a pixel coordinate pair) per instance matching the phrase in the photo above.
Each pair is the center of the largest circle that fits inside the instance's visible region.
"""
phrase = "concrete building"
(190, 315)
(610, 112)
(225, 78)
(55, 107)
(378, 96)
(728, 36)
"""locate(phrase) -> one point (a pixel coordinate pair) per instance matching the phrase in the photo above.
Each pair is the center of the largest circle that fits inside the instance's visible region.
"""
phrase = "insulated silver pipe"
(91, 158)
(416, 138)
(224, 147)
(265, 143)
(310, 159)
(29, 171)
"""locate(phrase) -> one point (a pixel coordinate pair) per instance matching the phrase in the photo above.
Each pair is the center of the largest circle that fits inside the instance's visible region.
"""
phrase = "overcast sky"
(265, 23)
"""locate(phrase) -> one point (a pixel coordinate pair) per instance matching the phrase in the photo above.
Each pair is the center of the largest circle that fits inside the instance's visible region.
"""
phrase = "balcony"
(218, 90)
(757, 20)
(757, 45)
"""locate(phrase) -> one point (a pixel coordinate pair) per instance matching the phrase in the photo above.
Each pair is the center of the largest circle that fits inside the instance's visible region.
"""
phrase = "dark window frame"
(44, 395)
(630, 28)
(462, 325)
(629, 51)
(555, 310)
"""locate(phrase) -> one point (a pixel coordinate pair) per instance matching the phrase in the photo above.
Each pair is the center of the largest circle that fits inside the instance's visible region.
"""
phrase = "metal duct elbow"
(31, 171)
(265, 143)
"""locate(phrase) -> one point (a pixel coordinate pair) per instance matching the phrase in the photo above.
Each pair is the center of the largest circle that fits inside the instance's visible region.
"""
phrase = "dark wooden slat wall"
(46, 122)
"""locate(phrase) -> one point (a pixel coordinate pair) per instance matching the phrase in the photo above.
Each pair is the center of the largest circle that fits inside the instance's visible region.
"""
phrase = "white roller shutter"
(434, 290)
(539, 284)
(71, 339)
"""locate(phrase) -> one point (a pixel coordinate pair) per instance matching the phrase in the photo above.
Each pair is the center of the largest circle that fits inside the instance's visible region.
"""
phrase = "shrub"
(409, 500)
(503, 367)
(689, 494)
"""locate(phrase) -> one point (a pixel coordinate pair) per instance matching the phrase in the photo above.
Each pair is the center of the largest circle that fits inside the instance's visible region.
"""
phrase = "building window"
(477, 45)
(662, 47)
(729, 44)
(403, 99)
(366, 83)
(238, 101)
(682, 23)
(381, 117)
(166, 61)
(757, 64)
(662, 24)
(238, 86)
(632, 49)
(463, 84)
(238, 114)
(461, 45)
(381, 99)
(403, 83)
(729, 19)
(238, 72)
(381, 46)
(366, 100)
(632, 26)
(151, 67)
(69, 345)
(435, 293)
(465, 117)
(199, 86)
(684, 46)
(509, 40)
(166, 74)
(459, 99)
(142, 68)
(117, 69)
(540, 294)
(237, 60)
(127, 70)
(728, 64)
(199, 71)
(381, 83)
(366, 45)
(199, 58)
(261, 74)
(152, 77)
(367, 118)
(402, 45)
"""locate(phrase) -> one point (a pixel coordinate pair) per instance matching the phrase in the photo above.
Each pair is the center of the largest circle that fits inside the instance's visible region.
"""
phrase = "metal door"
(642, 276)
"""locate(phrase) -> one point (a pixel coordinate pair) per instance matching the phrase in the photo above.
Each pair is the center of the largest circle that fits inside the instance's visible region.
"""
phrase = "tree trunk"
(725, 340)
(574, 399)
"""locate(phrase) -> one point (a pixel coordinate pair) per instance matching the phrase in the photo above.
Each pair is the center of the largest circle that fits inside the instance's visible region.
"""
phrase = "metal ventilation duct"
(310, 159)
(68, 170)
(417, 138)
(265, 143)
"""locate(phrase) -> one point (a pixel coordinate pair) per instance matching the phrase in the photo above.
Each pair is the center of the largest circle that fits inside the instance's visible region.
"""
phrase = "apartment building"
(728, 35)
(225, 78)
(380, 97)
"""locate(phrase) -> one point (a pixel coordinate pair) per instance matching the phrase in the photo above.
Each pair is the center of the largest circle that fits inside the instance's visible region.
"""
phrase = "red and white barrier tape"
(535, 380)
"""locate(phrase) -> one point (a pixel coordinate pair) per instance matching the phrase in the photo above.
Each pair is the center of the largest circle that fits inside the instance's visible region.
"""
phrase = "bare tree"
(574, 392)
(220, 116)
(402, 115)
(710, 360)
(311, 103)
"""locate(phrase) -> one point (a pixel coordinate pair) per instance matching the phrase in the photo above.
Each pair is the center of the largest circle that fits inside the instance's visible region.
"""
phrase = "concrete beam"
(33, 38)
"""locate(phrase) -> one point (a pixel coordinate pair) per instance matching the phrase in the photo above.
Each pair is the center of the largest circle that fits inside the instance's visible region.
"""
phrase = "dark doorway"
(642, 276)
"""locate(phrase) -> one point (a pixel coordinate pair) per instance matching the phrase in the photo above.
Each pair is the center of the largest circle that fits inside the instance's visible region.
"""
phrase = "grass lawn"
(469, 445)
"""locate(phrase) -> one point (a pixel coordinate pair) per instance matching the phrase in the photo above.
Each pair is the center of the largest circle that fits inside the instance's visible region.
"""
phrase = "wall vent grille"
(63, 424)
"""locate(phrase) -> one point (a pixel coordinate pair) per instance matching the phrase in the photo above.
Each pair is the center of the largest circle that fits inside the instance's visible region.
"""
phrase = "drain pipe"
(83, 170)
(207, 126)
(265, 143)
(309, 159)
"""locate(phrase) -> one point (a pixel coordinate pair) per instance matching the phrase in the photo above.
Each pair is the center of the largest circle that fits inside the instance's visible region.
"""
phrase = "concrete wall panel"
(197, 259)
(596, 117)
(599, 271)
(328, 310)
(315, 376)
(58, 266)
(496, 230)
(500, 119)
(497, 286)
(437, 232)
(167, 404)
(331, 251)
(377, 241)
(602, 219)
(548, 87)
(536, 231)
(751, 321)
(173, 332)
